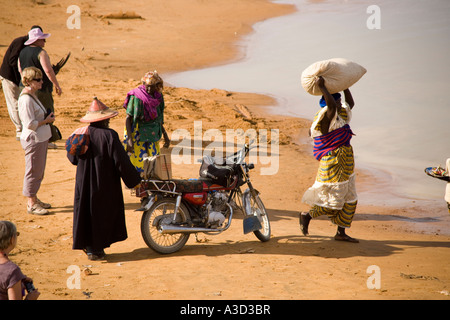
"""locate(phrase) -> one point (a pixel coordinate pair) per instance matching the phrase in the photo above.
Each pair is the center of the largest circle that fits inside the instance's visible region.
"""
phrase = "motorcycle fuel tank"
(197, 199)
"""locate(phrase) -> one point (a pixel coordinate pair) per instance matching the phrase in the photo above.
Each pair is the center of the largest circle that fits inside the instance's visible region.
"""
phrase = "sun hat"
(36, 34)
(98, 111)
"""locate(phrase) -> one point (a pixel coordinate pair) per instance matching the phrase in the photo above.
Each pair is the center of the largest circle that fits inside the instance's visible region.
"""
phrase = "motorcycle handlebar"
(246, 148)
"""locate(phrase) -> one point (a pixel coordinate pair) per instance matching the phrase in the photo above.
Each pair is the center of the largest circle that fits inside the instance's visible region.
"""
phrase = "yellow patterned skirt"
(334, 192)
(141, 149)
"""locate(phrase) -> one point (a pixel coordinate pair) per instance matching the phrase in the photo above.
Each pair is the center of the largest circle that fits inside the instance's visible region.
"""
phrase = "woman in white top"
(34, 138)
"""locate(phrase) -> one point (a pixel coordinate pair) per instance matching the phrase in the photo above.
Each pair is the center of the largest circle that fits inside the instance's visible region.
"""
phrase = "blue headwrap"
(323, 103)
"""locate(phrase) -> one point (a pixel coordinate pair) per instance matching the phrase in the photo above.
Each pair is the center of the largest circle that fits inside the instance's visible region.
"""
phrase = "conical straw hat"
(98, 111)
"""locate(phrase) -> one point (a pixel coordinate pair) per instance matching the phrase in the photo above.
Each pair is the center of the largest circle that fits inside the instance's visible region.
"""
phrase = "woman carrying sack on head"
(145, 119)
(333, 193)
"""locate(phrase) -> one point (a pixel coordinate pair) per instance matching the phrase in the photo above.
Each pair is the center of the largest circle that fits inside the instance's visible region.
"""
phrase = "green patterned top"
(150, 131)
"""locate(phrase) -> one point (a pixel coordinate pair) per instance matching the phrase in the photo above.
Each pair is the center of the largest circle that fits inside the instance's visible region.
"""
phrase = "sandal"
(37, 209)
(43, 204)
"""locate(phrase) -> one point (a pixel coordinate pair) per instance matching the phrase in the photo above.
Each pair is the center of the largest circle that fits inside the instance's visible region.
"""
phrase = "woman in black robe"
(99, 211)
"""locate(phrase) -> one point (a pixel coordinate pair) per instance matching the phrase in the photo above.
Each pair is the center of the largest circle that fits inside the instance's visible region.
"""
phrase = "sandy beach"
(108, 57)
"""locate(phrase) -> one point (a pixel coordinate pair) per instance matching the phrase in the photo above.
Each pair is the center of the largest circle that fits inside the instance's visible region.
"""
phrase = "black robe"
(99, 210)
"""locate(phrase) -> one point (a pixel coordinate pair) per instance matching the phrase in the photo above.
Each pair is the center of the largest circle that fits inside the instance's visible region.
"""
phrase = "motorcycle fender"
(246, 196)
(151, 200)
(251, 222)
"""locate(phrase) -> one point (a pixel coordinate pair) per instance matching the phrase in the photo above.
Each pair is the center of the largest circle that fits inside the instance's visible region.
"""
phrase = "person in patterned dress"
(145, 118)
(333, 192)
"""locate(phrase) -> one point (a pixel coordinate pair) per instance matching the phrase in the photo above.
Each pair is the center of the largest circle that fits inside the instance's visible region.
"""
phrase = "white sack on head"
(339, 74)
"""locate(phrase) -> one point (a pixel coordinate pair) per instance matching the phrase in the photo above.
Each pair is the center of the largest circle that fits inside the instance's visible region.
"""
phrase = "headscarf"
(151, 78)
(150, 103)
(323, 103)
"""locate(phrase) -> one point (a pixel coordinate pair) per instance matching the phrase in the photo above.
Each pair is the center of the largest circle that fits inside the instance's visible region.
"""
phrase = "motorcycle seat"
(185, 186)
(196, 185)
(174, 185)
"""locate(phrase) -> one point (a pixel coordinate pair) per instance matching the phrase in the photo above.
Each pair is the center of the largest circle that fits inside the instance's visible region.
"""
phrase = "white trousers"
(11, 92)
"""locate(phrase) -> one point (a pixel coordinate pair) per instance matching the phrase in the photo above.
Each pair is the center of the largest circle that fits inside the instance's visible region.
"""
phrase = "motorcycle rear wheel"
(258, 209)
(163, 243)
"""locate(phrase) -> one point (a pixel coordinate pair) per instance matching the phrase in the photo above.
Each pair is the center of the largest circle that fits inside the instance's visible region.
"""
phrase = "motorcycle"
(174, 209)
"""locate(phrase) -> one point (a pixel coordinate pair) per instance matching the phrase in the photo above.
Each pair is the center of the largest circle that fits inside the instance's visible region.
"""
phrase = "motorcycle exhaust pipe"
(168, 229)
(171, 229)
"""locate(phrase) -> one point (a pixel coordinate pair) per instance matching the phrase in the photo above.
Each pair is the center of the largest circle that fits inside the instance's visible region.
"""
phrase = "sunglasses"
(38, 80)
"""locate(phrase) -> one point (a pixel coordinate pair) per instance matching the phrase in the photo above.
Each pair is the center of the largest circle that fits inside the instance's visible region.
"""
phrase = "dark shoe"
(345, 237)
(304, 220)
(95, 255)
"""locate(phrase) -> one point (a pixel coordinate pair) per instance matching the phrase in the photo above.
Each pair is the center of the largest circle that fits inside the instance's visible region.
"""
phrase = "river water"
(402, 110)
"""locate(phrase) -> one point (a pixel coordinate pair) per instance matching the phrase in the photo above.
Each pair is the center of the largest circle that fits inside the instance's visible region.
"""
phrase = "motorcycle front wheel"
(162, 211)
(258, 209)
